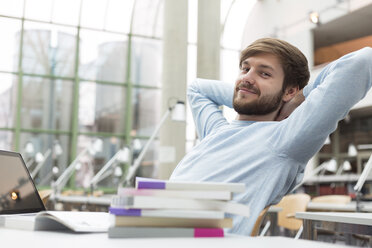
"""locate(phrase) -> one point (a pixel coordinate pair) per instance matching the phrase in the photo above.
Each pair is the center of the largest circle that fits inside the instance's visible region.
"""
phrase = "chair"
(335, 199)
(44, 195)
(257, 224)
(291, 204)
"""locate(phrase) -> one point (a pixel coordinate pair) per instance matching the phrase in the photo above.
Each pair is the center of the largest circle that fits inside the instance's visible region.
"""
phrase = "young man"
(268, 146)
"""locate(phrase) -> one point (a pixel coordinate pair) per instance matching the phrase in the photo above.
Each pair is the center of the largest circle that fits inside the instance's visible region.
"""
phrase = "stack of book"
(157, 208)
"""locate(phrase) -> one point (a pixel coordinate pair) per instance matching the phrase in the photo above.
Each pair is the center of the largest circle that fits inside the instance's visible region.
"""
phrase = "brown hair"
(294, 63)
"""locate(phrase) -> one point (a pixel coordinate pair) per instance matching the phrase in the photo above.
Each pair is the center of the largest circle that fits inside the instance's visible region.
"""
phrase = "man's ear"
(290, 92)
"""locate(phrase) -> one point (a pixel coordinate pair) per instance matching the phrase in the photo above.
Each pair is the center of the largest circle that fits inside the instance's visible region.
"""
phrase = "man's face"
(258, 88)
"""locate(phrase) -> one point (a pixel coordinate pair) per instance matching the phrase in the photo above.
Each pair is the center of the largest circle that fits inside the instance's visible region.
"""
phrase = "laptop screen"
(18, 193)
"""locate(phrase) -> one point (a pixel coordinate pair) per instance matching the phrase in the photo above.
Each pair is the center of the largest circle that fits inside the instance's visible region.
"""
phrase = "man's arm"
(290, 106)
(205, 97)
(338, 87)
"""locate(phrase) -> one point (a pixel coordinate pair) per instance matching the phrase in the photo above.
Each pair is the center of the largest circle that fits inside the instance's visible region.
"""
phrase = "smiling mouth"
(248, 90)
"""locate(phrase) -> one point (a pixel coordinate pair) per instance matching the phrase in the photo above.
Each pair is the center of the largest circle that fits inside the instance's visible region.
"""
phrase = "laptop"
(18, 194)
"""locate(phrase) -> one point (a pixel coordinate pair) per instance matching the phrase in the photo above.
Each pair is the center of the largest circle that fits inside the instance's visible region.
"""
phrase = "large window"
(74, 71)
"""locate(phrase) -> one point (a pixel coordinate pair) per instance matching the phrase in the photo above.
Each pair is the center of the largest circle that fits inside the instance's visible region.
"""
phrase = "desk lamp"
(40, 159)
(359, 185)
(178, 113)
(121, 156)
(95, 147)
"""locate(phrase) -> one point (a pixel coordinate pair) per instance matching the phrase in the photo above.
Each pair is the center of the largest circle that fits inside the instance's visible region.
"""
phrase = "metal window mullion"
(75, 107)
(20, 89)
(128, 98)
(83, 27)
(45, 131)
(102, 134)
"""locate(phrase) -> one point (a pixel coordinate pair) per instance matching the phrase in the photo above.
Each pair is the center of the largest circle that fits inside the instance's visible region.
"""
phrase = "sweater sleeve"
(328, 99)
(205, 98)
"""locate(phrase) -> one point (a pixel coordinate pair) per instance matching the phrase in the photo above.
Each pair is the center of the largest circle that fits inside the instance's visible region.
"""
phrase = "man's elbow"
(363, 58)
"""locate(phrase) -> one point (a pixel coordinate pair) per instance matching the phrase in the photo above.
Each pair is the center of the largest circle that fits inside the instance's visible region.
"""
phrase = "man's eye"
(245, 69)
(265, 74)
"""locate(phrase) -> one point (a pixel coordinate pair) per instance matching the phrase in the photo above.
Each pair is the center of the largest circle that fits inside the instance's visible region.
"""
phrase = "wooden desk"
(42, 239)
(348, 223)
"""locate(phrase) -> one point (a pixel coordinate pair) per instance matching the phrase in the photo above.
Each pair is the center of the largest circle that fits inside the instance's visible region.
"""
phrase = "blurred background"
(73, 72)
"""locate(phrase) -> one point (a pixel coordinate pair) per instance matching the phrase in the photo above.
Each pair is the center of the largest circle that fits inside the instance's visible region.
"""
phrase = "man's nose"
(249, 77)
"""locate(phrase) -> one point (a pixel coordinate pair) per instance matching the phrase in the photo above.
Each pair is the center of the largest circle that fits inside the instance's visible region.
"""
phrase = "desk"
(93, 200)
(350, 207)
(348, 223)
(41, 239)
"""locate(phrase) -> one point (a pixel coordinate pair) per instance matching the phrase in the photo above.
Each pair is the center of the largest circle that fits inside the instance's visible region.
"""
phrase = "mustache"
(249, 87)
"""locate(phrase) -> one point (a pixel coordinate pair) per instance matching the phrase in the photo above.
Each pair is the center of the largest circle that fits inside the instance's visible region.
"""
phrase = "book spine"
(148, 202)
(125, 212)
(170, 213)
(159, 232)
(233, 187)
(132, 221)
(187, 194)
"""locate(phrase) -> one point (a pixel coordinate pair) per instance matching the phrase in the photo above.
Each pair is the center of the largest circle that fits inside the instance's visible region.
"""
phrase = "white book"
(152, 202)
(60, 221)
(188, 194)
(150, 183)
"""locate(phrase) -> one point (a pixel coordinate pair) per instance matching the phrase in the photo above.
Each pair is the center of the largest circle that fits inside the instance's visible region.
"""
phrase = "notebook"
(18, 194)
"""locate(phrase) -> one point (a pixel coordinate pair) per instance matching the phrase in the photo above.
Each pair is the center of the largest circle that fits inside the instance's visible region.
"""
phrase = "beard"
(261, 106)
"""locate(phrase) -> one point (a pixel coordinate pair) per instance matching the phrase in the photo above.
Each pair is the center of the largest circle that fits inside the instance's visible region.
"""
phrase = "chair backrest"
(257, 224)
(291, 204)
(336, 199)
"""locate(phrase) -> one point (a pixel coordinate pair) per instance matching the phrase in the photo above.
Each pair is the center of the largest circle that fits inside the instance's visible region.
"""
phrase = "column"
(173, 134)
(209, 32)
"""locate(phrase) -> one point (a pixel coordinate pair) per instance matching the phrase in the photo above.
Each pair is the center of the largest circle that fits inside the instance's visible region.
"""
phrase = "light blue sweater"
(269, 157)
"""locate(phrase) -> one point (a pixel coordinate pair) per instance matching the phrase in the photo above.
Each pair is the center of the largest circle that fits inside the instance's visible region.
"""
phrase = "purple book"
(125, 212)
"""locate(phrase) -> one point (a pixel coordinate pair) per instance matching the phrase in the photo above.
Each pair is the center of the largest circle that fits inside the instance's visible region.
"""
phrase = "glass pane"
(10, 46)
(101, 108)
(8, 100)
(146, 111)
(39, 10)
(229, 65)
(146, 62)
(53, 149)
(91, 163)
(192, 21)
(93, 13)
(235, 23)
(6, 140)
(46, 103)
(103, 56)
(148, 18)
(119, 17)
(191, 75)
(191, 63)
(11, 7)
(48, 49)
(66, 11)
